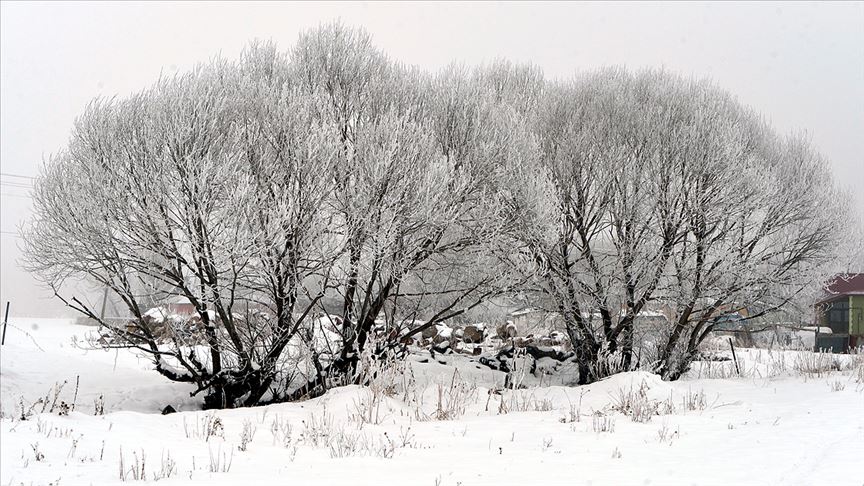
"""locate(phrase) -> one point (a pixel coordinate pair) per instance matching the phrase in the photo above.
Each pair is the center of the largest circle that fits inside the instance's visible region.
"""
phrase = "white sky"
(800, 64)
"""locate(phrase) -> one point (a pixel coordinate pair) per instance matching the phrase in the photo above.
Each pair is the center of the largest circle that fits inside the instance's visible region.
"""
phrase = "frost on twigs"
(264, 221)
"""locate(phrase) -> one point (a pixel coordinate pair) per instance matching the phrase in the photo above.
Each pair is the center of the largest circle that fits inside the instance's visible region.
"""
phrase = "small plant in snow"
(246, 435)
(406, 438)
(815, 364)
(576, 410)
(602, 423)
(214, 427)
(383, 375)
(667, 407)
(344, 444)
(167, 468)
(49, 430)
(74, 448)
(292, 452)
(136, 470)
(56, 390)
(453, 399)
(386, 448)
(317, 430)
(367, 410)
(636, 403)
(694, 401)
(544, 405)
(281, 431)
(37, 454)
(220, 462)
(666, 435)
(210, 426)
(575, 415)
(643, 410)
(616, 454)
(836, 385)
(99, 406)
(48, 403)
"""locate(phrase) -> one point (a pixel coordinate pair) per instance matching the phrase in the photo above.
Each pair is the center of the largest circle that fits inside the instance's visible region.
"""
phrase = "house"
(181, 306)
(531, 320)
(731, 318)
(177, 308)
(841, 308)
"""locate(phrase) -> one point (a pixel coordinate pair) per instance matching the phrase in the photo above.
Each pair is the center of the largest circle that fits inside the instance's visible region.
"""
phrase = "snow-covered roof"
(522, 312)
(156, 313)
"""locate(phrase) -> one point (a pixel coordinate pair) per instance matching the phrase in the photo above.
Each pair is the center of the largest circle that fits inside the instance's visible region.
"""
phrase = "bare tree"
(760, 231)
(209, 186)
(258, 190)
(414, 204)
(640, 180)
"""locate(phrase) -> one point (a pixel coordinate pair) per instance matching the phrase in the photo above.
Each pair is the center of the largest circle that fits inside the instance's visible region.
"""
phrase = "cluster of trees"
(261, 189)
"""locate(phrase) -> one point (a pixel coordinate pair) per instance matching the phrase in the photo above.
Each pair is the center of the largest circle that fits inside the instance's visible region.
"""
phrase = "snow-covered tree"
(650, 190)
(763, 224)
(209, 186)
(258, 190)
(414, 203)
(276, 191)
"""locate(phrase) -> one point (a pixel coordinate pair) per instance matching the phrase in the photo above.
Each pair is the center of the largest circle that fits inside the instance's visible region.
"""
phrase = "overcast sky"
(800, 64)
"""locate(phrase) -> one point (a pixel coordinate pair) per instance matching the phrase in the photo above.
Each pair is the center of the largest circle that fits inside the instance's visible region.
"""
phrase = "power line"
(12, 180)
(16, 184)
(9, 174)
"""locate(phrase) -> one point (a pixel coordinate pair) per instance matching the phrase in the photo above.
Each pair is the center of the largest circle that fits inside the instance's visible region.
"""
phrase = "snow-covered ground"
(791, 418)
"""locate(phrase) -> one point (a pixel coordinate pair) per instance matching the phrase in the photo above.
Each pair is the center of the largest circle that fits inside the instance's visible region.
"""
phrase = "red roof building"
(842, 309)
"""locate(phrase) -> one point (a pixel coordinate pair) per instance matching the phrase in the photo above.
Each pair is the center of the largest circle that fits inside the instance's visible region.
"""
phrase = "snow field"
(791, 417)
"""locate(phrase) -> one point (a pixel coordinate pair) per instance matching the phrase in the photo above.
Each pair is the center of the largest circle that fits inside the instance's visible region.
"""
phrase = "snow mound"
(41, 354)
(656, 388)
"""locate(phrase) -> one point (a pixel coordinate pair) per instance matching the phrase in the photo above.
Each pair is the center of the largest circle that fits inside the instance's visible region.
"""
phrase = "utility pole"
(5, 320)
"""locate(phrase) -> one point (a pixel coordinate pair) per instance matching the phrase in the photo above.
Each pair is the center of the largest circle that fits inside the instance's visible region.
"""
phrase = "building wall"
(856, 315)
(182, 308)
(537, 322)
(836, 316)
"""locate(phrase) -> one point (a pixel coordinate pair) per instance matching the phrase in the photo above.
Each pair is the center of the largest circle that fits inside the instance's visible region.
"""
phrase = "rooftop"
(843, 285)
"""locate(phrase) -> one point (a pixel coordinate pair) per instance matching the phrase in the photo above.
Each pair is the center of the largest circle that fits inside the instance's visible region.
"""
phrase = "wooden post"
(734, 359)
(5, 320)
(104, 301)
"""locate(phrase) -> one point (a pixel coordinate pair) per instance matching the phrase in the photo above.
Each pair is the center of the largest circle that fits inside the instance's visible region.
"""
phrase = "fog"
(801, 65)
